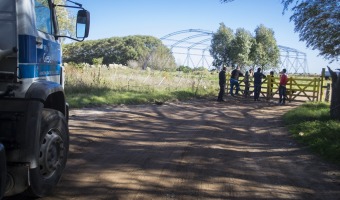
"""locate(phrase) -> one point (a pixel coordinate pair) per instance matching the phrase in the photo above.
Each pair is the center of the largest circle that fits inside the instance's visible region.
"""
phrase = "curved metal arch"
(291, 59)
(187, 31)
(186, 39)
(199, 42)
(288, 49)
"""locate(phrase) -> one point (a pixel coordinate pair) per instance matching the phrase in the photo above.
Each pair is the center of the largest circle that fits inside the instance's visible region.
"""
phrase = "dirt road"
(201, 149)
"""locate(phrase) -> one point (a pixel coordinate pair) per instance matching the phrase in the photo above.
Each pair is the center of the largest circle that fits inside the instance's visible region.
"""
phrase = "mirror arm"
(80, 6)
(78, 40)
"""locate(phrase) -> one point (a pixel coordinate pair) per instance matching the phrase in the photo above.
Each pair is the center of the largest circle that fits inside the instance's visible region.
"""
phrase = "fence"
(298, 88)
(79, 80)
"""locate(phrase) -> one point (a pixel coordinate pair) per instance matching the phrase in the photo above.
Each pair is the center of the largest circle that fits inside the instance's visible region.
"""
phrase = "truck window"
(43, 16)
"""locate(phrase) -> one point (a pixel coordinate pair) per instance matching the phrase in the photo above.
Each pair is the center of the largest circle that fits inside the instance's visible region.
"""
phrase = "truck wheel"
(3, 171)
(54, 142)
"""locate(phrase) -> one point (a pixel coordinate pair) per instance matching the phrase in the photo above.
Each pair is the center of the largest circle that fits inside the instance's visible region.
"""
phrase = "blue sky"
(110, 18)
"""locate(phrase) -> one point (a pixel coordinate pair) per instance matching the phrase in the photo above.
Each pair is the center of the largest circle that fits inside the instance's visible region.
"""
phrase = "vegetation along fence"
(86, 80)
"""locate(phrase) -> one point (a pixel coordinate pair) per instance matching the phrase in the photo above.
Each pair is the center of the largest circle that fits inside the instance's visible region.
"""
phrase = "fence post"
(328, 88)
(269, 81)
(322, 77)
(315, 89)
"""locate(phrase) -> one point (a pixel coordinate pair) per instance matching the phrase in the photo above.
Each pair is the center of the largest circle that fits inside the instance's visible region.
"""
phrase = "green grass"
(87, 87)
(311, 124)
(114, 97)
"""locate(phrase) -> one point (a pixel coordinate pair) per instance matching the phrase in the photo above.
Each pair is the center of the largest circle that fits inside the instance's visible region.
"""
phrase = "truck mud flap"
(3, 171)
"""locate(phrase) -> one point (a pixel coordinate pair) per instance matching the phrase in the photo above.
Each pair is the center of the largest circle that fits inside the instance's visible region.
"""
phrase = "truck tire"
(3, 171)
(54, 143)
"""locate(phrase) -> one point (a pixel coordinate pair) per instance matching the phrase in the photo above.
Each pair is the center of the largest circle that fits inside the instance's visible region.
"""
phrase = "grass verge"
(107, 96)
(311, 124)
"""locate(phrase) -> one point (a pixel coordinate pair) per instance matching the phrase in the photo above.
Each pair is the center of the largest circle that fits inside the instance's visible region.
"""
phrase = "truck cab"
(34, 135)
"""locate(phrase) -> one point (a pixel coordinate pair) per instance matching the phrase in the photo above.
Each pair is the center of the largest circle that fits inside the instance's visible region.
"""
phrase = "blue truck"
(34, 136)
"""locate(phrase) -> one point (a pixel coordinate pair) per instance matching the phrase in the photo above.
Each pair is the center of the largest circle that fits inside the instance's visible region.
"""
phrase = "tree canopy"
(243, 49)
(221, 46)
(265, 52)
(146, 50)
(241, 46)
(318, 24)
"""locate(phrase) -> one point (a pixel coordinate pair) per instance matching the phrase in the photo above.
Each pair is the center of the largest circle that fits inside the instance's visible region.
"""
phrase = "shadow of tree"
(190, 150)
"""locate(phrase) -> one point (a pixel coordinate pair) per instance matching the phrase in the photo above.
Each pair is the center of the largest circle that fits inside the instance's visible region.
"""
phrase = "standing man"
(257, 83)
(222, 83)
(282, 87)
(235, 74)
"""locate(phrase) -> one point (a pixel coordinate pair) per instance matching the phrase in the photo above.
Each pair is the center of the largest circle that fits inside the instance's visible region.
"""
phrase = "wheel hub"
(51, 153)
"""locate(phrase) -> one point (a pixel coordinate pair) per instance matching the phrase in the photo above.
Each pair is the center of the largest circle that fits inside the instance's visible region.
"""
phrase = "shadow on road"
(190, 150)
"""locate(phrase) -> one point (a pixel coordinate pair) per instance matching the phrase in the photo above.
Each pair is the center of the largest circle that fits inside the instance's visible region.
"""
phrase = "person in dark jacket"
(235, 74)
(222, 82)
(257, 83)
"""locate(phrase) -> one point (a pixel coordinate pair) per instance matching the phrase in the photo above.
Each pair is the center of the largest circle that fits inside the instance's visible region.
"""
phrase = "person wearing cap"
(282, 87)
(235, 74)
(222, 82)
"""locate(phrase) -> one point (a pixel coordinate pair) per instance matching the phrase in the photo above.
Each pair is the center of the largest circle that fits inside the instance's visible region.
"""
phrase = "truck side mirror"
(83, 24)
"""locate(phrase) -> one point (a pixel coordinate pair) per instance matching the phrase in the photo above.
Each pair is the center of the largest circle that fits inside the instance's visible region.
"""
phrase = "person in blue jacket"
(235, 74)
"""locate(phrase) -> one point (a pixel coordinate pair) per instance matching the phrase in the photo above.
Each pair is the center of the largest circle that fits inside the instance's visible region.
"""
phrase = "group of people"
(258, 76)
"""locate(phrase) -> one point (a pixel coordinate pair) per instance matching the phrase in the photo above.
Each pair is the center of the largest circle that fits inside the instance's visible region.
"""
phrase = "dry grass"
(118, 84)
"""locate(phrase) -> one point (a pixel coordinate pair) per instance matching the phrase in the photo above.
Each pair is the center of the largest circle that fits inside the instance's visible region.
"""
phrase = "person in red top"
(282, 87)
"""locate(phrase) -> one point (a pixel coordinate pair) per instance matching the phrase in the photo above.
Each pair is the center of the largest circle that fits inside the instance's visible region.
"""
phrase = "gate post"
(322, 77)
(269, 82)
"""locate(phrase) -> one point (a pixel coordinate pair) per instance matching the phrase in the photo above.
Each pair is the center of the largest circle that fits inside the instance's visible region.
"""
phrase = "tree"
(241, 46)
(243, 49)
(264, 51)
(318, 25)
(221, 46)
(121, 50)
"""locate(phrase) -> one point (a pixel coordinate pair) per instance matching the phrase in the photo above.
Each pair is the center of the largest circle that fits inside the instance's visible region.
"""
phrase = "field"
(90, 86)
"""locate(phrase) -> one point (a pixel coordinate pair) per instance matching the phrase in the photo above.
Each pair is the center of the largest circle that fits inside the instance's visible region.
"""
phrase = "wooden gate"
(298, 87)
